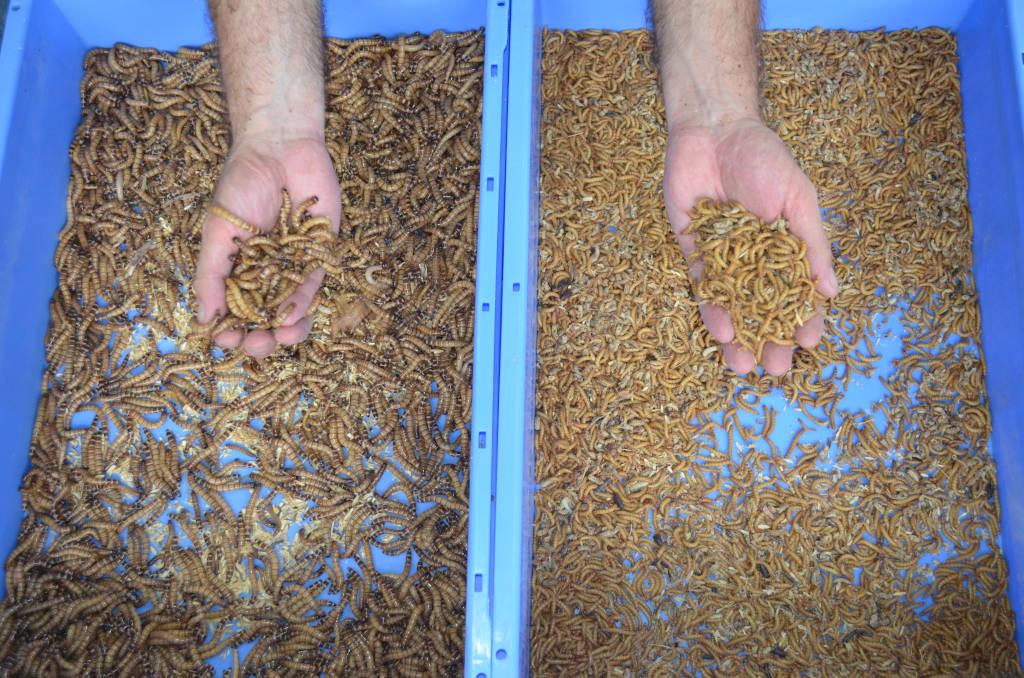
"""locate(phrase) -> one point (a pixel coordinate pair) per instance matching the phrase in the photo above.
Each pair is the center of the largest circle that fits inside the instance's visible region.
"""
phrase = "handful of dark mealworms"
(757, 271)
(269, 267)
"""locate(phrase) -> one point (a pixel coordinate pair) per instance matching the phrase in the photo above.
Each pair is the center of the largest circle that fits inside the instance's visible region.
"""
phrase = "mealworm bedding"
(301, 514)
(757, 272)
(840, 520)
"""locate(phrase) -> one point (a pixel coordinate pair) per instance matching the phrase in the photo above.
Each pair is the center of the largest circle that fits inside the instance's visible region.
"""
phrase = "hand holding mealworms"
(746, 162)
(250, 187)
(272, 62)
(269, 269)
(719, 148)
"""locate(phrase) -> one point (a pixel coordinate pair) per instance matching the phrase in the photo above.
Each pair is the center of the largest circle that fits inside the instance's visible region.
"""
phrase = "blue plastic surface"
(40, 68)
(169, 25)
(795, 14)
(991, 35)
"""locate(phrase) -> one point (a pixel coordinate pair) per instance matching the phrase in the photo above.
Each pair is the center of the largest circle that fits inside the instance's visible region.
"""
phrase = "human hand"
(743, 160)
(256, 170)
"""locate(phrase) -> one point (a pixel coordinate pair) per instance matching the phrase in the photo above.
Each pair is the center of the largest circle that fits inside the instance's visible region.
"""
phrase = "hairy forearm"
(707, 55)
(271, 54)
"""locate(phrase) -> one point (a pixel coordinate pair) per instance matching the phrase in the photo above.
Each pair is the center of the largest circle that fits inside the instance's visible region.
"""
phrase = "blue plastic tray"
(44, 41)
(40, 69)
(991, 43)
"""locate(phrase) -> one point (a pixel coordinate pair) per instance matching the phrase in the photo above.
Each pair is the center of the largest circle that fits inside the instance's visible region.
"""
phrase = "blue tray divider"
(514, 515)
(482, 576)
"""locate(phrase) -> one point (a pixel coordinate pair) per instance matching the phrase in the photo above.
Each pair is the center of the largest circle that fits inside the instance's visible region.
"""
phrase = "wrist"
(711, 116)
(272, 128)
(713, 124)
(692, 101)
(271, 56)
(273, 145)
(296, 114)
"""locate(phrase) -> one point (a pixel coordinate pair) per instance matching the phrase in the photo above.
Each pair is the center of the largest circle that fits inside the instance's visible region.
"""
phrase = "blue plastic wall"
(991, 40)
(514, 530)
(40, 67)
(991, 51)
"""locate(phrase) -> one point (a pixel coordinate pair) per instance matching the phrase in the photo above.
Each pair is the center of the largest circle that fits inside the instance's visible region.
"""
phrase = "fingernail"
(202, 314)
(834, 279)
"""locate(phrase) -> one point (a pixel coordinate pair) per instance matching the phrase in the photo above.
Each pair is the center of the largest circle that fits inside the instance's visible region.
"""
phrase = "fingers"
(738, 359)
(230, 338)
(289, 335)
(296, 326)
(315, 174)
(259, 343)
(328, 205)
(776, 360)
(716, 319)
(688, 243)
(809, 334)
(805, 221)
(214, 266)
(302, 297)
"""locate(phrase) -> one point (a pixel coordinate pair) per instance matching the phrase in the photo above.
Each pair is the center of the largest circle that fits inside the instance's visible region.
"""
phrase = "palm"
(745, 161)
(250, 186)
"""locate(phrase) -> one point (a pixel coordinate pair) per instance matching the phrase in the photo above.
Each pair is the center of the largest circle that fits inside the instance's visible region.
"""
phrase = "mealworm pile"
(298, 515)
(839, 520)
(757, 272)
(270, 267)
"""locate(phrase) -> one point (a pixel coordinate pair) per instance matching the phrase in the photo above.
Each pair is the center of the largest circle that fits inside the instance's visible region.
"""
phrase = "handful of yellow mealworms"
(269, 267)
(756, 271)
